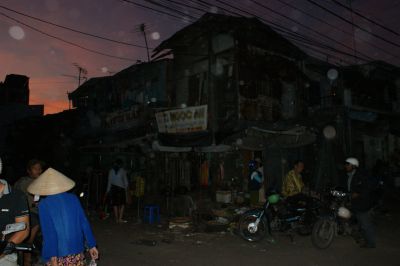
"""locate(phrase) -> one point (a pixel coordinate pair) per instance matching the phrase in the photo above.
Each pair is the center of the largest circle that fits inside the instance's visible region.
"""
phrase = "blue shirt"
(64, 226)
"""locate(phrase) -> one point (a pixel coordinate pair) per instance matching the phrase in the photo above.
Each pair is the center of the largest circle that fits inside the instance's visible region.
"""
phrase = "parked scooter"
(334, 221)
(277, 215)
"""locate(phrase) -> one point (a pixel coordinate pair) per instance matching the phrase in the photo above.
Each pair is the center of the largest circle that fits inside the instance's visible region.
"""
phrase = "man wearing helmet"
(356, 183)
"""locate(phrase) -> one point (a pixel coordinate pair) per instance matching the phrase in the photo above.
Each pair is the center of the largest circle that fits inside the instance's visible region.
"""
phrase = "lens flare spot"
(16, 32)
(155, 35)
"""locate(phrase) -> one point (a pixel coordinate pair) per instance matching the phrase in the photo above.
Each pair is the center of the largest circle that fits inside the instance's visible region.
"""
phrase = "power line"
(314, 47)
(280, 28)
(170, 8)
(207, 5)
(186, 5)
(153, 9)
(200, 3)
(275, 26)
(351, 23)
(305, 26)
(337, 28)
(284, 31)
(323, 47)
(366, 18)
(71, 29)
(353, 37)
(298, 39)
(65, 41)
(366, 56)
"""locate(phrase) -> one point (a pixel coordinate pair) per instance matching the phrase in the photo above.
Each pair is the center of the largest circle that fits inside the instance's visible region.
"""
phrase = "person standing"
(255, 182)
(34, 169)
(64, 225)
(13, 209)
(117, 190)
(261, 191)
(357, 184)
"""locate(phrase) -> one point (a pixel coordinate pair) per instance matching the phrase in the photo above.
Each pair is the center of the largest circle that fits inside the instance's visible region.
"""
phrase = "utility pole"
(352, 27)
(211, 92)
(348, 109)
(82, 72)
(142, 28)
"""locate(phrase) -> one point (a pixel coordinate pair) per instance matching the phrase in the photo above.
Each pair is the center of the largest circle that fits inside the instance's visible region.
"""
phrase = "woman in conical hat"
(65, 227)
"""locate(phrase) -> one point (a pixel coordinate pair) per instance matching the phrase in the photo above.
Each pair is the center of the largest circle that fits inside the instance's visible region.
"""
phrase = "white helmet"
(353, 161)
(344, 213)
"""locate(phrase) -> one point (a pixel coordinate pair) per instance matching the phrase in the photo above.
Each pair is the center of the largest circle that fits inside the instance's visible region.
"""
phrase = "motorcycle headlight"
(343, 212)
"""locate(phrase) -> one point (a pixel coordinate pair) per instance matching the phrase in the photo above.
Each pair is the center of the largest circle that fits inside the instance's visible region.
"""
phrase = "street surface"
(118, 245)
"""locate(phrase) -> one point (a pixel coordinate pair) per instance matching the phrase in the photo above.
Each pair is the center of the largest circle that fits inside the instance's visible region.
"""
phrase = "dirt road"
(118, 244)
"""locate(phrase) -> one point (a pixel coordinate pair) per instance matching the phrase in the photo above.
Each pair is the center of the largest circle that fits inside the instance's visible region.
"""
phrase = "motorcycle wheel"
(305, 230)
(307, 224)
(248, 230)
(323, 233)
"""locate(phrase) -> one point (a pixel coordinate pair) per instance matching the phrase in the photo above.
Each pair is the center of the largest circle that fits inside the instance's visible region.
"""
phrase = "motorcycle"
(334, 221)
(6, 247)
(277, 215)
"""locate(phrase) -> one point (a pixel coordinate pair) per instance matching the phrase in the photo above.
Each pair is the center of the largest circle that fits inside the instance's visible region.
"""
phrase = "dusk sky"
(49, 62)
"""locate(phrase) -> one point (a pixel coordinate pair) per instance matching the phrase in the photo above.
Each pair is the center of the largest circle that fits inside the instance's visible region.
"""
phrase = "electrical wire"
(366, 18)
(353, 24)
(65, 41)
(305, 39)
(186, 5)
(71, 29)
(153, 9)
(306, 27)
(337, 28)
(288, 34)
(277, 26)
(171, 9)
(174, 10)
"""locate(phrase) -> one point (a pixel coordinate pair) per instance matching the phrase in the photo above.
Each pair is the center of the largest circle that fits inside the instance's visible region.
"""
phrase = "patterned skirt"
(70, 260)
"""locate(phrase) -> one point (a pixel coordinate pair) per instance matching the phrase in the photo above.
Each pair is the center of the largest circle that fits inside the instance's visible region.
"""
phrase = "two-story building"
(120, 123)
(250, 81)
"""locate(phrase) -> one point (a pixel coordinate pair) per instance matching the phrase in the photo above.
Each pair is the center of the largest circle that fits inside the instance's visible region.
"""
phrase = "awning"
(157, 147)
(297, 136)
(252, 143)
(119, 145)
(195, 139)
(214, 148)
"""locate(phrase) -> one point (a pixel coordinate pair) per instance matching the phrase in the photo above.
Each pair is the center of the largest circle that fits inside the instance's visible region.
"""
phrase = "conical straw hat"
(50, 182)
